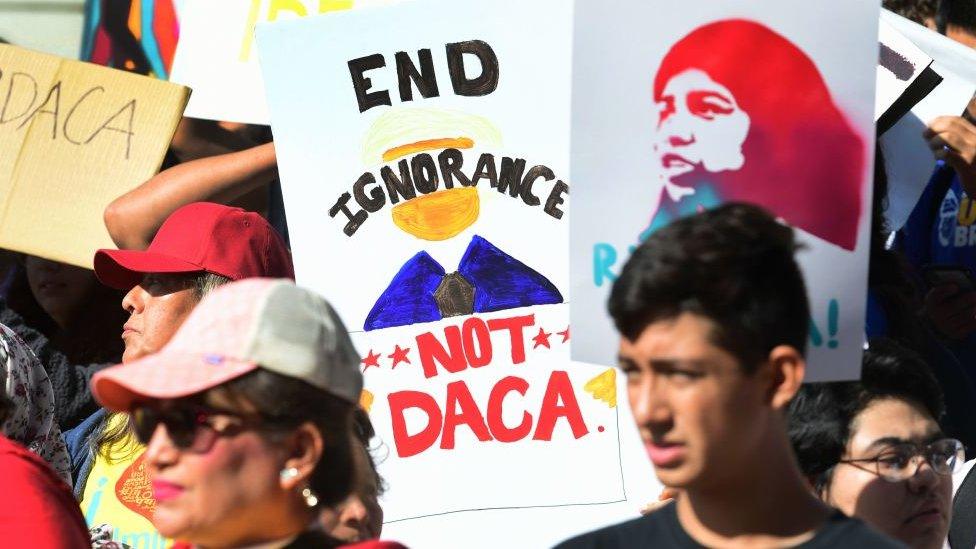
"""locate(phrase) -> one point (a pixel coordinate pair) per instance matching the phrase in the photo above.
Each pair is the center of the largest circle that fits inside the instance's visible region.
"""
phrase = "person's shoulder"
(846, 532)
(630, 533)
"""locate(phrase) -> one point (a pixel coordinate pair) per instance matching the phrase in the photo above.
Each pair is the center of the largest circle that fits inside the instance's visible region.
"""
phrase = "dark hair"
(733, 265)
(821, 414)
(958, 13)
(109, 435)
(363, 429)
(290, 402)
(916, 10)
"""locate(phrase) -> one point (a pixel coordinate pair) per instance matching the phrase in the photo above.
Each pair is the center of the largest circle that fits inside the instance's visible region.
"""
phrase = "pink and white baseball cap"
(237, 328)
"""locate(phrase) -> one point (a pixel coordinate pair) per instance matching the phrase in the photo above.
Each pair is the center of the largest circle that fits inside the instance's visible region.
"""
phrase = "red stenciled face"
(743, 110)
(699, 126)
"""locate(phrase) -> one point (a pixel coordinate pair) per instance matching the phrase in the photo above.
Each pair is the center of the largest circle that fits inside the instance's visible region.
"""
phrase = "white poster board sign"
(726, 124)
(424, 179)
(216, 56)
(908, 160)
(900, 62)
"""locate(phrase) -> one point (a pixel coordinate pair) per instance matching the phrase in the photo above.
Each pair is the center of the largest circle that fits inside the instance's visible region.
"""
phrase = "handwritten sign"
(704, 109)
(73, 136)
(217, 58)
(425, 181)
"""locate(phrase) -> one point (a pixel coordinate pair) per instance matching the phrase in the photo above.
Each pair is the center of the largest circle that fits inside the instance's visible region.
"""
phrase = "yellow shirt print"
(119, 493)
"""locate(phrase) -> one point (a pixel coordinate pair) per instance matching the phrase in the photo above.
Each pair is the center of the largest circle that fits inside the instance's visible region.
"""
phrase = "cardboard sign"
(703, 109)
(908, 160)
(217, 58)
(424, 178)
(74, 136)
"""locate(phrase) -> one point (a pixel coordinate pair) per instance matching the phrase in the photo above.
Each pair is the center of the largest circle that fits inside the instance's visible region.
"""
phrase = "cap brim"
(123, 269)
(164, 376)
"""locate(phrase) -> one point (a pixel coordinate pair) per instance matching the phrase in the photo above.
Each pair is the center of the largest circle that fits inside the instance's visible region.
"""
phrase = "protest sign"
(908, 160)
(903, 77)
(704, 109)
(135, 35)
(74, 136)
(424, 179)
(216, 55)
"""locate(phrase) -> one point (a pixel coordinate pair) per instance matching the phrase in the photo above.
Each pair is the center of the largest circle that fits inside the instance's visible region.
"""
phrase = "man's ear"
(787, 368)
(303, 452)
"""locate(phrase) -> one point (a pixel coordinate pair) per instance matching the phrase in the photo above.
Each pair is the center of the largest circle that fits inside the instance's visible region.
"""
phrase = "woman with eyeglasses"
(874, 449)
(246, 415)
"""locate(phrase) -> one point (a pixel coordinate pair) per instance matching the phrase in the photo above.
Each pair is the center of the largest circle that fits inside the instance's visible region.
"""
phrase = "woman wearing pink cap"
(246, 414)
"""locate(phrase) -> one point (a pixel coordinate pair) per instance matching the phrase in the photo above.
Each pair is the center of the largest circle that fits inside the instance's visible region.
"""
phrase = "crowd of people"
(228, 413)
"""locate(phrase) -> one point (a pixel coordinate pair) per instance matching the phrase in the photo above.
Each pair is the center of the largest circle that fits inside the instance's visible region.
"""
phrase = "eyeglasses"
(189, 427)
(902, 461)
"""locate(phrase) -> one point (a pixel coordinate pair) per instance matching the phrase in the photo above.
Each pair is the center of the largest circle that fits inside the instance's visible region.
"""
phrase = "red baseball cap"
(202, 237)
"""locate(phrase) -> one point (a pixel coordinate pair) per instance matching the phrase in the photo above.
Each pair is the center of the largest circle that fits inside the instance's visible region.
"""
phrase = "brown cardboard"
(74, 136)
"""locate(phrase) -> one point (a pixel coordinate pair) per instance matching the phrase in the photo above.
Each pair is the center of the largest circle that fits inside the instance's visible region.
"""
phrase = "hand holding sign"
(953, 139)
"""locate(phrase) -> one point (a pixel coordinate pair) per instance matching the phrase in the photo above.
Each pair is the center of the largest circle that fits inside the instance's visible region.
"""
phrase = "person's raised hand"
(953, 313)
(953, 139)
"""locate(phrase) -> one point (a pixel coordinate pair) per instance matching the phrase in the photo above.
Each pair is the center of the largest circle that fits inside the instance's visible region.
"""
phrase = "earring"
(289, 473)
(310, 498)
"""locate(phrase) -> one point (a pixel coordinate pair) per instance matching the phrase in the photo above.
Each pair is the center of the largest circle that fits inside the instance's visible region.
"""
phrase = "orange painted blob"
(440, 215)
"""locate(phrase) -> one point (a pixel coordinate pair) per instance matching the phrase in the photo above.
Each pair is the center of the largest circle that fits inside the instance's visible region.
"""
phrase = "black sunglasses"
(190, 427)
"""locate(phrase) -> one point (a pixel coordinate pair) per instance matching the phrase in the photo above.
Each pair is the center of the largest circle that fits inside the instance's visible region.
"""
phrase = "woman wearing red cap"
(247, 418)
(744, 115)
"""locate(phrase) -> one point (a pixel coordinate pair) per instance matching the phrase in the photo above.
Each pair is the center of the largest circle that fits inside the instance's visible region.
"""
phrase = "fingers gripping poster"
(425, 182)
(726, 101)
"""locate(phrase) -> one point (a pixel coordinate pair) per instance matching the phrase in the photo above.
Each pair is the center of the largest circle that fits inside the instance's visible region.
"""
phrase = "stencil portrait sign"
(424, 177)
(726, 102)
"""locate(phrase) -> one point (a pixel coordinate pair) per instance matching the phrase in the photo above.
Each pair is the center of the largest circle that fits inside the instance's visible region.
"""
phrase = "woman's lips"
(163, 490)
(665, 454)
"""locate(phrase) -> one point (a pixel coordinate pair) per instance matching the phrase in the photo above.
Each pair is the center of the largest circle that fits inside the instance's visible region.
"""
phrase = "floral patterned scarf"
(31, 423)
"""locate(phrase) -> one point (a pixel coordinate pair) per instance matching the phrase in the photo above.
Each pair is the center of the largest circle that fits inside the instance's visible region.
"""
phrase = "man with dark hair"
(874, 449)
(957, 20)
(713, 315)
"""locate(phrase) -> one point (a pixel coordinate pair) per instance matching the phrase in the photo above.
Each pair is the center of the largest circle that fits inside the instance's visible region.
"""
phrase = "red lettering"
(481, 355)
(459, 395)
(431, 350)
(495, 405)
(406, 444)
(559, 388)
(514, 325)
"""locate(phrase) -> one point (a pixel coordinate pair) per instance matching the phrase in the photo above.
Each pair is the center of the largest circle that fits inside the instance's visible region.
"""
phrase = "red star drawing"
(565, 334)
(400, 355)
(372, 359)
(542, 338)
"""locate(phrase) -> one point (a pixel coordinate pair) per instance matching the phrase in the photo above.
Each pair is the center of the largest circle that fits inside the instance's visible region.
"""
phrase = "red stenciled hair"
(803, 159)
